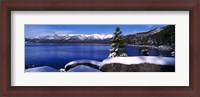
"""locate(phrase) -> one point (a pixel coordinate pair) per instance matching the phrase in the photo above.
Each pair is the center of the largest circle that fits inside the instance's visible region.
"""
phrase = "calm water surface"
(57, 55)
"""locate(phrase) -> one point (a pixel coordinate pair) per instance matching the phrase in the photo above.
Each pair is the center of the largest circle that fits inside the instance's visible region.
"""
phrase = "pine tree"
(118, 46)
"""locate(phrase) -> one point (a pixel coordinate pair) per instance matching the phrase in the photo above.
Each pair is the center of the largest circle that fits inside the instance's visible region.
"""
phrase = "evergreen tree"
(118, 46)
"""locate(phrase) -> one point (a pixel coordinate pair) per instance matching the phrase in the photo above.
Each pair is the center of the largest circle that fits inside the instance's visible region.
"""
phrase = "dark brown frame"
(99, 5)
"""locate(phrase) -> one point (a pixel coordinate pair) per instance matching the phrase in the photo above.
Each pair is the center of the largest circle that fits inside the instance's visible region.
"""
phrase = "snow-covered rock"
(85, 61)
(123, 60)
(141, 59)
(82, 68)
(62, 70)
(42, 69)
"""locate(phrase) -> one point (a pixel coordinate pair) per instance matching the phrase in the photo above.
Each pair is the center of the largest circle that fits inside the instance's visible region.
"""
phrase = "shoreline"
(161, 47)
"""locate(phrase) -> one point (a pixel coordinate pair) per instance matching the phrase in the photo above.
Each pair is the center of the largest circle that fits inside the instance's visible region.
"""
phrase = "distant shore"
(161, 47)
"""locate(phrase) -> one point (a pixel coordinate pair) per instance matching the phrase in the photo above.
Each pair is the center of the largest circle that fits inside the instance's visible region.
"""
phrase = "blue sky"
(43, 30)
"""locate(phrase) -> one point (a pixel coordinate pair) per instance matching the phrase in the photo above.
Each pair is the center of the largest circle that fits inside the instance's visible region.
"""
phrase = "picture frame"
(193, 90)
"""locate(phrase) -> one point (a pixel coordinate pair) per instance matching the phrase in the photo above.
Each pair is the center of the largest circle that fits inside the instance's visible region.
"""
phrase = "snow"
(85, 61)
(77, 36)
(173, 53)
(42, 69)
(122, 60)
(157, 30)
(62, 70)
(82, 68)
(141, 59)
(111, 55)
(128, 61)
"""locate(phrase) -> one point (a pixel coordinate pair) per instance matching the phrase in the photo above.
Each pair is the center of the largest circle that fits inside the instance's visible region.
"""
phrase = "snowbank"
(42, 69)
(141, 59)
(82, 68)
(85, 61)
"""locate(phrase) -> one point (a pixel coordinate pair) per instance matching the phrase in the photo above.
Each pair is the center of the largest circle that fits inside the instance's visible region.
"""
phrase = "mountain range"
(159, 36)
(70, 38)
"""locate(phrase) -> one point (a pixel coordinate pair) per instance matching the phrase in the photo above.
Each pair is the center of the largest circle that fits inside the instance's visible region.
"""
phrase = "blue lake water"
(57, 55)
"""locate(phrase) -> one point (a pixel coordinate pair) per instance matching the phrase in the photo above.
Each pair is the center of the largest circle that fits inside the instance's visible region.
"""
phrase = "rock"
(82, 68)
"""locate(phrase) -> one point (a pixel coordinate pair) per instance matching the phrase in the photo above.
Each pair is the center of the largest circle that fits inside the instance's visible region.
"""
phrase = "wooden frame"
(100, 5)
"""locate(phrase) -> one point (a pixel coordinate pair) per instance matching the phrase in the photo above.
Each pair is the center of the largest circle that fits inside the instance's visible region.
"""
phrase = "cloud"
(64, 32)
(35, 33)
(35, 30)
(41, 30)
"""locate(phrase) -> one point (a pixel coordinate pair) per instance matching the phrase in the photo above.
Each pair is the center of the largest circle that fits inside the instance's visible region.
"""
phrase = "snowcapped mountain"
(68, 38)
(75, 36)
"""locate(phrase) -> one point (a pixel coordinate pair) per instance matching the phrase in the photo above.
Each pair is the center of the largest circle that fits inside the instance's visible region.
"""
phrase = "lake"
(57, 55)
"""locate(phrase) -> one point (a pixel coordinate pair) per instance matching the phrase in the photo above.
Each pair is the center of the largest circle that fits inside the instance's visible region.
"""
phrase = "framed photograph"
(93, 48)
(143, 48)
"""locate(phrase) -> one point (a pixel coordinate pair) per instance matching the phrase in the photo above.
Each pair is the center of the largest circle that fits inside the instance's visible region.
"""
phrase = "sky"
(43, 30)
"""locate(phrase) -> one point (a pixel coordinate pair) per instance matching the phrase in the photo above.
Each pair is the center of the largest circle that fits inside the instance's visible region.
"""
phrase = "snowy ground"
(42, 69)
